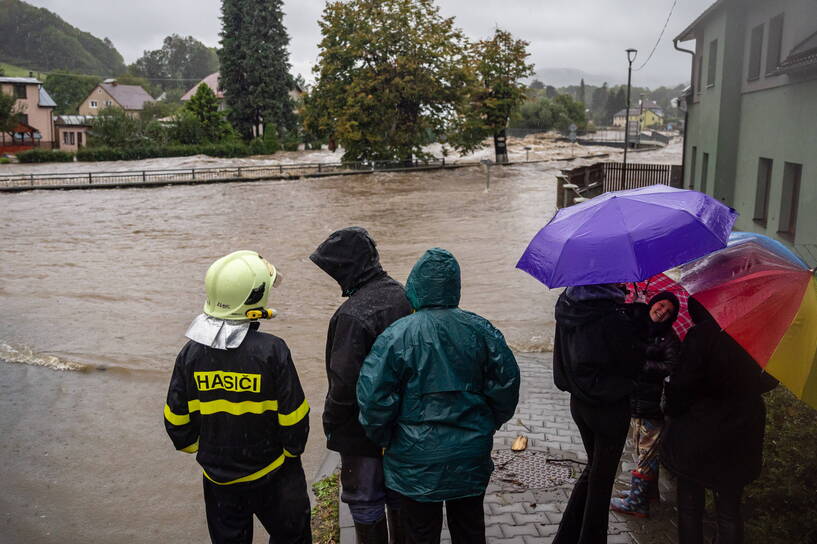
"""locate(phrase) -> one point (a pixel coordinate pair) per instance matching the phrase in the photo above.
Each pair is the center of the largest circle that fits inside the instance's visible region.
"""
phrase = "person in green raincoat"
(435, 387)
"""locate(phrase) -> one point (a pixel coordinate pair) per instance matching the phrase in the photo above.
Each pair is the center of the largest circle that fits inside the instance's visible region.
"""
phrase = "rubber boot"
(372, 533)
(636, 503)
(395, 527)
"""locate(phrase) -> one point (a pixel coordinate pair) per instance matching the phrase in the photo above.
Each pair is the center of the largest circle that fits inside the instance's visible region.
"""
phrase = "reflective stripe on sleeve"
(192, 448)
(255, 475)
(176, 419)
(294, 417)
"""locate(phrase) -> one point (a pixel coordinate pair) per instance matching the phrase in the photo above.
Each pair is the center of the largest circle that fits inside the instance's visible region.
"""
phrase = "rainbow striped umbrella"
(765, 298)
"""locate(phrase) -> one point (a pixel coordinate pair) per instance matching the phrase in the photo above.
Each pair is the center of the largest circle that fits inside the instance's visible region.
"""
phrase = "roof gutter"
(686, 111)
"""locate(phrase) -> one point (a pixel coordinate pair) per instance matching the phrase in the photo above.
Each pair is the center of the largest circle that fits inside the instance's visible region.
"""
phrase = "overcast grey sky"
(588, 35)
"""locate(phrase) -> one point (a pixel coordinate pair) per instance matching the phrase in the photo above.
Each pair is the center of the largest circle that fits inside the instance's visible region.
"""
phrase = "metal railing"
(582, 183)
(147, 177)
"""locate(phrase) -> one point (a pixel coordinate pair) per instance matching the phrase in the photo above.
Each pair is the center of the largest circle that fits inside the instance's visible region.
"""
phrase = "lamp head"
(631, 53)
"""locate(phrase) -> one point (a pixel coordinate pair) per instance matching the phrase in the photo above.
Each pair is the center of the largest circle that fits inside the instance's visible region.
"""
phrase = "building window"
(713, 63)
(20, 91)
(65, 138)
(22, 118)
(72, 138)
(790, 199)
(755, 50)
(764, 183)
(93, 104)
(704, 171)
(108, 103)
(693, 162)
(99, 91)
(775, 44)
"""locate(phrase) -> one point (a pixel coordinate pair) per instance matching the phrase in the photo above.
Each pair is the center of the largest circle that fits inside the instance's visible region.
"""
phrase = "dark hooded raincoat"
(375, 302)
(717, 416)
(436, 387)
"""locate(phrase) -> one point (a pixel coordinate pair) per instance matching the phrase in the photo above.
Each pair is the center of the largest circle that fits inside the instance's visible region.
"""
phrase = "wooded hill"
(40, 40)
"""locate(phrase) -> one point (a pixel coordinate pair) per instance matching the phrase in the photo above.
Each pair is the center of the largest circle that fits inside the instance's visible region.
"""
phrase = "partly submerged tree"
(255, 66)
(500, 66)
(114, 127)
(393, 75)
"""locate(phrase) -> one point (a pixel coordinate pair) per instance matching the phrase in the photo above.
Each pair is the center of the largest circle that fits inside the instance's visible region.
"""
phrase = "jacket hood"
(697, 312)
(434, 280)
(589, 305)
(350, 257)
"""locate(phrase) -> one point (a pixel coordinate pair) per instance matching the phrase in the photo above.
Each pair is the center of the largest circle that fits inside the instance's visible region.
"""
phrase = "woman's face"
(661, 311)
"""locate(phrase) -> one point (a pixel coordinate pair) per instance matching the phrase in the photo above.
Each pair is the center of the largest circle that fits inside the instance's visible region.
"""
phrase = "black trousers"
(279, 501)
(423, 521)
(604, 431)
(691, 506)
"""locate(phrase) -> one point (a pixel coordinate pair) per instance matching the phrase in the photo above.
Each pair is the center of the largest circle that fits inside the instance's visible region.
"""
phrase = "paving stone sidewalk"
(528, 492)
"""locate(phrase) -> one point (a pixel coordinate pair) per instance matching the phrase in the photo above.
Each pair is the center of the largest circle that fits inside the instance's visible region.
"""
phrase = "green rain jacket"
(435, 387)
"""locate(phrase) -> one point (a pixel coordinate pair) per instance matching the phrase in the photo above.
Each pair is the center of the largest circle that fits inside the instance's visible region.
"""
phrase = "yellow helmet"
(238, 283)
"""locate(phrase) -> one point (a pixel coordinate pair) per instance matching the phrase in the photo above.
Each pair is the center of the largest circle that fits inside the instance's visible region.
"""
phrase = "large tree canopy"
(180, 63)
(255, 67)
(393, 75)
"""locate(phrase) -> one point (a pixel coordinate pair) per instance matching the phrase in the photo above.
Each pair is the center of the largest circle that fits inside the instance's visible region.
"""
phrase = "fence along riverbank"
(227, 174)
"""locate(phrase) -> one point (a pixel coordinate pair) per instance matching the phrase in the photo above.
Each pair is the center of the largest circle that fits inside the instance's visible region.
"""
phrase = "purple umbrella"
(627, 236)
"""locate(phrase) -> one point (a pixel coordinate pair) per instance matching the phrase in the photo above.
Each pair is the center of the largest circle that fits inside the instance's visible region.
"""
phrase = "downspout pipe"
(686, 111)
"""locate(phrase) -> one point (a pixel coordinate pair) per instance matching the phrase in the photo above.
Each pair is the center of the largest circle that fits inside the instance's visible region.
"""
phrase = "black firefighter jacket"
(375, 301)
(241, 410)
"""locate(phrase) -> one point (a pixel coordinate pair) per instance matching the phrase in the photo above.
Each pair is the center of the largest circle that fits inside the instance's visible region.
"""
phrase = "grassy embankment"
(325, 521)
(16, 71)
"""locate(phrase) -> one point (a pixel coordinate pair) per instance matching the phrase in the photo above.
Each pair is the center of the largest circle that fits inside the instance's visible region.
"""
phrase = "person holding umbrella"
(596, 359)
(714, 438)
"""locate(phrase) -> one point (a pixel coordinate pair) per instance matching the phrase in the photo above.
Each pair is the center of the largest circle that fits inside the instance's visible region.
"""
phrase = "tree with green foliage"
(204, 106)
(545, 114)
(159, 109)
(69, 90)
(598, 103)
(255, 66)
(178, 64)
(616, 102)
(500, 65)
(8, 113)
(113, 127)
(392, 76)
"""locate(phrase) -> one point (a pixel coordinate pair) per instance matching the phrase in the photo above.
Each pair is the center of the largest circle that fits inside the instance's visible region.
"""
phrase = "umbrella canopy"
(765, 298)
(626, 236)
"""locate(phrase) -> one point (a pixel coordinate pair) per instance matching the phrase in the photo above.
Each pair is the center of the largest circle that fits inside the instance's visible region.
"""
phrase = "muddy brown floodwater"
(103, 284)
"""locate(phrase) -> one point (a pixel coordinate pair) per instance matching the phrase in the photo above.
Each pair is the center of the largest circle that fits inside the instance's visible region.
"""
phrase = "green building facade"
(751, 132)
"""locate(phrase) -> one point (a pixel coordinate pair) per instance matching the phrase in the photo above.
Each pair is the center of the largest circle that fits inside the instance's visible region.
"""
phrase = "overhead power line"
(661, 35)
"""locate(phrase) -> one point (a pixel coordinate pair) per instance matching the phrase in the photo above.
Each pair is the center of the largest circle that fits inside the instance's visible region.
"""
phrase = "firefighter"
(236, 402)
(374, 301)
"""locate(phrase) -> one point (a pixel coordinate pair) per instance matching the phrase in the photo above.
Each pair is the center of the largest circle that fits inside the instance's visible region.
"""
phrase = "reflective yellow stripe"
(289, 454)
(255, 475)
(192, 448)
(176, 419)
(234, 408)
(294, 417)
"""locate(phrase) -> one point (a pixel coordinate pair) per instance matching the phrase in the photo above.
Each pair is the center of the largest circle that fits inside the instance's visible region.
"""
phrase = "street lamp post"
(631, 54)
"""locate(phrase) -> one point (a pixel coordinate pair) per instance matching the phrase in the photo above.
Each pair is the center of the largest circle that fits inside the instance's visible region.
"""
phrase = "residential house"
(752, 106)
(212, 82)
(109, 93)
(72, 131)
(35, 127)
(649, 115)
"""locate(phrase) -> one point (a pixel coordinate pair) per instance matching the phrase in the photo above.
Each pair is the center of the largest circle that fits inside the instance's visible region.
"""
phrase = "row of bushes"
(228, 149)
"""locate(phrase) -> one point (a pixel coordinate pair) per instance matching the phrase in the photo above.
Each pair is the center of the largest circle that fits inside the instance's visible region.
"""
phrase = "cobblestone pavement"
(521, 506)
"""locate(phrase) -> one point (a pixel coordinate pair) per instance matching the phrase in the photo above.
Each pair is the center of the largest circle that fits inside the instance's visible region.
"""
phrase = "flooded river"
(107, 281)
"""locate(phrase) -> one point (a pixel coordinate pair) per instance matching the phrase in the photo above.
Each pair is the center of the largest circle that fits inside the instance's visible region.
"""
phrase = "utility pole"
(631, 54)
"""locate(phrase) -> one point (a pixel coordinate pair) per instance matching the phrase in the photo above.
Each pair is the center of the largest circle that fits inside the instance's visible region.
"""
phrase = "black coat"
(595, 354)
(241, 410)
(714, 435)
(375, 302)
(662, 351)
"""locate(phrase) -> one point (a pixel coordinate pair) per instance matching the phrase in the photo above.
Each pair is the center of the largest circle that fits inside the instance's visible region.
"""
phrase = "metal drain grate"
(529, 469)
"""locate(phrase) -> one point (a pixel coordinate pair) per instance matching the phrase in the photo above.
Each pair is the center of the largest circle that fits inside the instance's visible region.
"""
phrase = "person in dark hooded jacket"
(596, 358)
(662, 350)
(714, 435)
(374, 301)
(434, 389)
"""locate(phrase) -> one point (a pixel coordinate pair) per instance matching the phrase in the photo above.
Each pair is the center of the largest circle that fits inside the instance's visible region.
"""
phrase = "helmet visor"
(275, 276)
